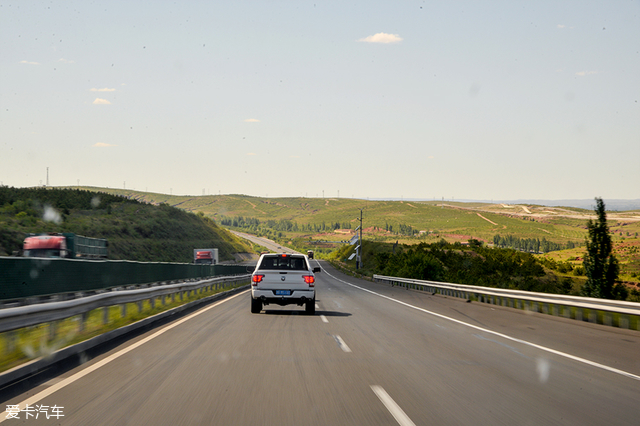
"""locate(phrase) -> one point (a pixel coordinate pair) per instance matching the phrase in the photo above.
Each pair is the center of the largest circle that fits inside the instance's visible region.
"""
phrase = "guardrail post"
(123, 310)
(139, 303)
(623, 321)
(162, 300)
(53, 327)
(105, 315)
(11, 338)
(82, 321)
(580, 314)
(611, 320)
(152, 302)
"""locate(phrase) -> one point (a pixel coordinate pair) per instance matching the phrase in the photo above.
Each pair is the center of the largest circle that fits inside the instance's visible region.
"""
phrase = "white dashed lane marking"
(342, 344)
(393, 408)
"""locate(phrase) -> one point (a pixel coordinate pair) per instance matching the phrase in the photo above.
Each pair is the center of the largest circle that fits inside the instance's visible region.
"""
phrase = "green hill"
(311, 222)
(135, 230)
(382, 219)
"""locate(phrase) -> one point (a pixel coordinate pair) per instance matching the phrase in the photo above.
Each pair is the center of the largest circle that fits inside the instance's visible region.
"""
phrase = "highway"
(371, 355)
(264, 242)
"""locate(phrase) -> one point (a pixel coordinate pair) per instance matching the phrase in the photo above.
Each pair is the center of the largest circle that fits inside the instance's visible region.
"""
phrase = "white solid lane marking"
(80, 374)
(393, 408)
(323, 318)
(342, 344)
(504, 336)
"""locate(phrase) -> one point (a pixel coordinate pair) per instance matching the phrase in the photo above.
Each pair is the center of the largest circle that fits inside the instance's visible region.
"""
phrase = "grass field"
(432, 221)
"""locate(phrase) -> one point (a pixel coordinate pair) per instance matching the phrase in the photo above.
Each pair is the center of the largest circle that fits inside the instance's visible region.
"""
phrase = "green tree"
(600, 265)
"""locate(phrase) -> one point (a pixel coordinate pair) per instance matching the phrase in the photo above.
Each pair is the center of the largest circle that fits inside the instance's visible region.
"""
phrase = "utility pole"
(359, 249)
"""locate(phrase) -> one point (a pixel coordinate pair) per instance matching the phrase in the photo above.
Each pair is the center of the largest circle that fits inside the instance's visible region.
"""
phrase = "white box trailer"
(205, 256)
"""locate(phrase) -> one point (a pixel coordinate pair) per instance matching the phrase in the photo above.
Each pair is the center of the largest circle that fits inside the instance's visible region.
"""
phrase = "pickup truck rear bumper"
(296, 297)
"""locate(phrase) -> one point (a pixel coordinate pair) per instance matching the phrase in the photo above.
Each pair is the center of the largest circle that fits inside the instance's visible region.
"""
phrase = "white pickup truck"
(283, 279)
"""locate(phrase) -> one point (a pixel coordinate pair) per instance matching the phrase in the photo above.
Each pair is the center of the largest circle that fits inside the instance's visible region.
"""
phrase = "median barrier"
(51, 315)
(24, 277)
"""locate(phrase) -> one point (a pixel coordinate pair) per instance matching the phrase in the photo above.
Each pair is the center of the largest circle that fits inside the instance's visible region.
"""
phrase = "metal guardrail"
(30, 315)
(602, 311)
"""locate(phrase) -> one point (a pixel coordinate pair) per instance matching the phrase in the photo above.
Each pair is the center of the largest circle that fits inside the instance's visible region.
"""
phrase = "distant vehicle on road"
(283, 279)
(310, 254)
(205, 256)
(65, 245)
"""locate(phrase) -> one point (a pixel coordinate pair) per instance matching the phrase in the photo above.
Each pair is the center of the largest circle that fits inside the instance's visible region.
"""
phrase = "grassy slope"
(452, 221)
(135, 231)
(449, 220)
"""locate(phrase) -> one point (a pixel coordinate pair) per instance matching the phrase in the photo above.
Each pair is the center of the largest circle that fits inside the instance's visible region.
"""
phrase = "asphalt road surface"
(371, 355)
(264, 242)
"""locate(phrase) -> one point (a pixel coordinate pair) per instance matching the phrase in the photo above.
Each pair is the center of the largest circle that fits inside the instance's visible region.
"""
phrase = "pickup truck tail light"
(309, 279)
(255, 279)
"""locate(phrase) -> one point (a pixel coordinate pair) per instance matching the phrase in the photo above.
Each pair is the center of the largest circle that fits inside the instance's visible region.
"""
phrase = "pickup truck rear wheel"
(256, 306)
(310, 307)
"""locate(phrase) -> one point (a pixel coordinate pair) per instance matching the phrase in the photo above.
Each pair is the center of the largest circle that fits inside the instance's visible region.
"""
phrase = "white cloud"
(561, 26)
(29, 63)
(99, 101)
(585, 73)
(103, 145)
(382, 38)
(106, 89)
(251, 120)
(251, 153)
(66, 61)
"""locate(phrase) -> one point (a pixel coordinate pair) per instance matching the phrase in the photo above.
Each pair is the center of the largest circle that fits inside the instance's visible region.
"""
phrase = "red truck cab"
(45, 246)
(204, 258)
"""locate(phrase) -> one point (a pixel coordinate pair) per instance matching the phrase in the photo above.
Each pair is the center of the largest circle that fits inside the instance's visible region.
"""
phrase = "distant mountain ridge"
(588, 204)
(618, 205)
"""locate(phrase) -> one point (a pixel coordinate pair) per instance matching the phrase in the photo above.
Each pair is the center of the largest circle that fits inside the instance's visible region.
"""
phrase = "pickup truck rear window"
(294, 263)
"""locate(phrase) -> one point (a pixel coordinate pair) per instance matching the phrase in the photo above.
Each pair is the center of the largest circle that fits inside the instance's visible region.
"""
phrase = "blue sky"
(413, 99)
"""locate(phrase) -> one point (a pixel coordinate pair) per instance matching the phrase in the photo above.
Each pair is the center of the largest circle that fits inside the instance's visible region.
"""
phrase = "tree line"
(474, 264)
(282, 225)
(530, 245)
